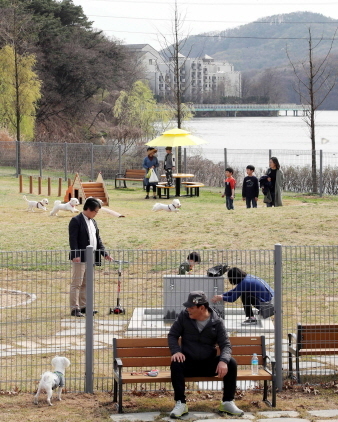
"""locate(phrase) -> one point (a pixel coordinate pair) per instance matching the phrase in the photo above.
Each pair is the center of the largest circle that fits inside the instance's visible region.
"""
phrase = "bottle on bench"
(254, 364)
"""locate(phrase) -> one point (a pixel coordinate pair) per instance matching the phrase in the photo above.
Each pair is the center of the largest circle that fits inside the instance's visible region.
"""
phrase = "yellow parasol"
(175, 138)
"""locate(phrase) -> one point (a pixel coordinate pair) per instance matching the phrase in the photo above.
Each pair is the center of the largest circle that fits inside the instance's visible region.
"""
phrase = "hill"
(262, 44)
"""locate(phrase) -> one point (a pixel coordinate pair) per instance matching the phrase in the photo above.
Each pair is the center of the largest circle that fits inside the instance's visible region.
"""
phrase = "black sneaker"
(147, 197)
(250, 321)
(77, 313)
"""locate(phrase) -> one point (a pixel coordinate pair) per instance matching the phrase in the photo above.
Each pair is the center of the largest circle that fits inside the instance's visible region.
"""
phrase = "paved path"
(268, 416)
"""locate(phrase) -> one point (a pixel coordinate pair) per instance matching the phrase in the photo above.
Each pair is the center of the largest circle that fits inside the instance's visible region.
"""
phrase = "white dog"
(68, 206)
(51, 380)
(40, 205)
(171, 207)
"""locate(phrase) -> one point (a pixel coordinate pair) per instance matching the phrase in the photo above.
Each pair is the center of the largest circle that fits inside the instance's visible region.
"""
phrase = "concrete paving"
(268, 416)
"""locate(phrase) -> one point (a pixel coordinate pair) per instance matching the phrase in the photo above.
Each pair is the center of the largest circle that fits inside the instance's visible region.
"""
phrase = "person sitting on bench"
(201, 329)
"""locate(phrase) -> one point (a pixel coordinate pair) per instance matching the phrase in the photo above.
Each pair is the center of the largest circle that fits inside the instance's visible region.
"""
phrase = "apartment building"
(200, 79)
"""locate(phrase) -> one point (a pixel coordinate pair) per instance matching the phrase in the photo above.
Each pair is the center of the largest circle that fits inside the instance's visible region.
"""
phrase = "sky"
(147, 21)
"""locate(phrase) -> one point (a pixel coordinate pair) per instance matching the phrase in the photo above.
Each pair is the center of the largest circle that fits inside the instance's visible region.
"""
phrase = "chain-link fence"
(36, 323)
(208, 165)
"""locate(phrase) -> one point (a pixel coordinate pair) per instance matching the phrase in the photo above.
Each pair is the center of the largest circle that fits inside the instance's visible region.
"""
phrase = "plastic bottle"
(254, 364)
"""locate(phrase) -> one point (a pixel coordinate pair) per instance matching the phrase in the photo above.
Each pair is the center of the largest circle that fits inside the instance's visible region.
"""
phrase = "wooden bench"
(166, 189)
(193, 188)
(312, 340)
(132, 175)
(142, 354)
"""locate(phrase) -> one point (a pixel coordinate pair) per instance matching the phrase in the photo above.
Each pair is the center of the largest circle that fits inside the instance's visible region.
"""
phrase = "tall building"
(201, 79)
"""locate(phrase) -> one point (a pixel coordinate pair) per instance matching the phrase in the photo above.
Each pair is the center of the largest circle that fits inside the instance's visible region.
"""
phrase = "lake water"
(251, 135)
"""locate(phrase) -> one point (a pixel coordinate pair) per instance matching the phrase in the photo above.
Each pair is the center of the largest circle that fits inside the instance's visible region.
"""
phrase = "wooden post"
(49, 187)
(20, 183)
(30, 184)
(60, 186)
(39, 185)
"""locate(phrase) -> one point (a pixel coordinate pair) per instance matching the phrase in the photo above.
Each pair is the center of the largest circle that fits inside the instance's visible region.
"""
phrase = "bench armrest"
(119, 174)
(292, 336)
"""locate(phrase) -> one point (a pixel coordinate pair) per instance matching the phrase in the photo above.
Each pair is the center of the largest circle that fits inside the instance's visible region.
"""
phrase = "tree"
(316, 78)
(138, 113)
(19, 92)
(176, 61)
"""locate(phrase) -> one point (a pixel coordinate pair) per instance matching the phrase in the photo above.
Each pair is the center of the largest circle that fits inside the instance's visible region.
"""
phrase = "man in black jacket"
(201, 329)
(83, 231)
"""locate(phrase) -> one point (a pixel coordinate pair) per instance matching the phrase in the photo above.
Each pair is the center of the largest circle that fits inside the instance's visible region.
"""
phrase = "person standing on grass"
(229, 192)
(250, 188)
(252, 290)
(150, 162)
(200, 330)
(169, 165)
(83, 232)
(275, 179)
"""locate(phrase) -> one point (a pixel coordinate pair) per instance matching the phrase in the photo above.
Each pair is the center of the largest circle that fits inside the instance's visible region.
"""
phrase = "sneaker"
(230, 408)
(154, 196)
(250, 321)
(147, 197)
(179, 410)
(77, 313)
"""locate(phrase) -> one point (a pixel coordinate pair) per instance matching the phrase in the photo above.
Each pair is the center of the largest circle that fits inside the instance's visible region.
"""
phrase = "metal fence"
(36, 323)
(208, 165)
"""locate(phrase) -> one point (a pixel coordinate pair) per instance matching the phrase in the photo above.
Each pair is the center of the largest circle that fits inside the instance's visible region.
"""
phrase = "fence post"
(185, 159)
(89, 318)
(278, 315)
(49, 186)
(39, 185)
(30, 184)
(60, 186)
(321, 173)
(40, 158)
(66, 160)
(92, 163)
(225, 158)
(270, 154)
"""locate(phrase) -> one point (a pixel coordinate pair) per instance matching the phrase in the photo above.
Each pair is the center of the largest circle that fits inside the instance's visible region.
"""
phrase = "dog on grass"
(68, 206)
(53, 380)
(40, 205)
(174, 207)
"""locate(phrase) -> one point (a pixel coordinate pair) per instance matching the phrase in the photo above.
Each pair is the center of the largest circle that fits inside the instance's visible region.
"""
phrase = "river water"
(250, 134)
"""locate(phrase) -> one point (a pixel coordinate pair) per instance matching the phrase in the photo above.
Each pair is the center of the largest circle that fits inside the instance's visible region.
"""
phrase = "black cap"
(195, 298)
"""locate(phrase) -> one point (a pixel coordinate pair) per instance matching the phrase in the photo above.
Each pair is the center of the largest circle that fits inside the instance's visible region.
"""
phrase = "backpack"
(217, 270)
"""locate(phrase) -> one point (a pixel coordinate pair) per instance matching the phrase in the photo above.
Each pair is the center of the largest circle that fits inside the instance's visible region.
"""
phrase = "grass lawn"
(202, 223)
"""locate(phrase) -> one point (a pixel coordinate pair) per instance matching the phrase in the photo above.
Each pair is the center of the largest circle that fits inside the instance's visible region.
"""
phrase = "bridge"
(232, 109)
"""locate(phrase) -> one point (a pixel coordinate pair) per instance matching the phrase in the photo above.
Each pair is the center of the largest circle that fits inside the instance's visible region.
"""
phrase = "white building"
(201, 79)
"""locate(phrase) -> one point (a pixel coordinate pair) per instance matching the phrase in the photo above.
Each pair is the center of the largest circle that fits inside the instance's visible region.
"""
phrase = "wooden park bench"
(193, 188)
(132, 175)
(134, 356)
(312, 340)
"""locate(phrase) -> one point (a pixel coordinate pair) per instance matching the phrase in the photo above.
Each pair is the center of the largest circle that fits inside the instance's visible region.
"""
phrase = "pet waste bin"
(176, 289)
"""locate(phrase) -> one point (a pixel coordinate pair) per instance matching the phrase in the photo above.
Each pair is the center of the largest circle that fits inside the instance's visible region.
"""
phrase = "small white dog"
(171, 207)
(40, 205)
(51, 380)
(68, 206)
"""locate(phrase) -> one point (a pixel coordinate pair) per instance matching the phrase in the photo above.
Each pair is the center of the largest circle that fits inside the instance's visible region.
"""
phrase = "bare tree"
(172, 52)
(315, 78)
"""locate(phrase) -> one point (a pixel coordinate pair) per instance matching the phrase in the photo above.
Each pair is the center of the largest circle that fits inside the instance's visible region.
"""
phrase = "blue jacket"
(147, 163)
(250, 284)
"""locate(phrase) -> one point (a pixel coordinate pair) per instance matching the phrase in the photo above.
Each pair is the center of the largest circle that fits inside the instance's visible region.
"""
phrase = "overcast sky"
(143, 21)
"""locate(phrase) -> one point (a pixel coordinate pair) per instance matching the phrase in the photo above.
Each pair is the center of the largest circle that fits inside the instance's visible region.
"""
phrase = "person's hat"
(195, 298)
(151, 149)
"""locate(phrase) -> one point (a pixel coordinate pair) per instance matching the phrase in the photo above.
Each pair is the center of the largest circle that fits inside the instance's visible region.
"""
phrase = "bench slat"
(164, 376)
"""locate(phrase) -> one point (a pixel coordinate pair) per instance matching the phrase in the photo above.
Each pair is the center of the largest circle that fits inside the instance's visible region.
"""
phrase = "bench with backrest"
(132, 175)
(311, 340)
(134, 356)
